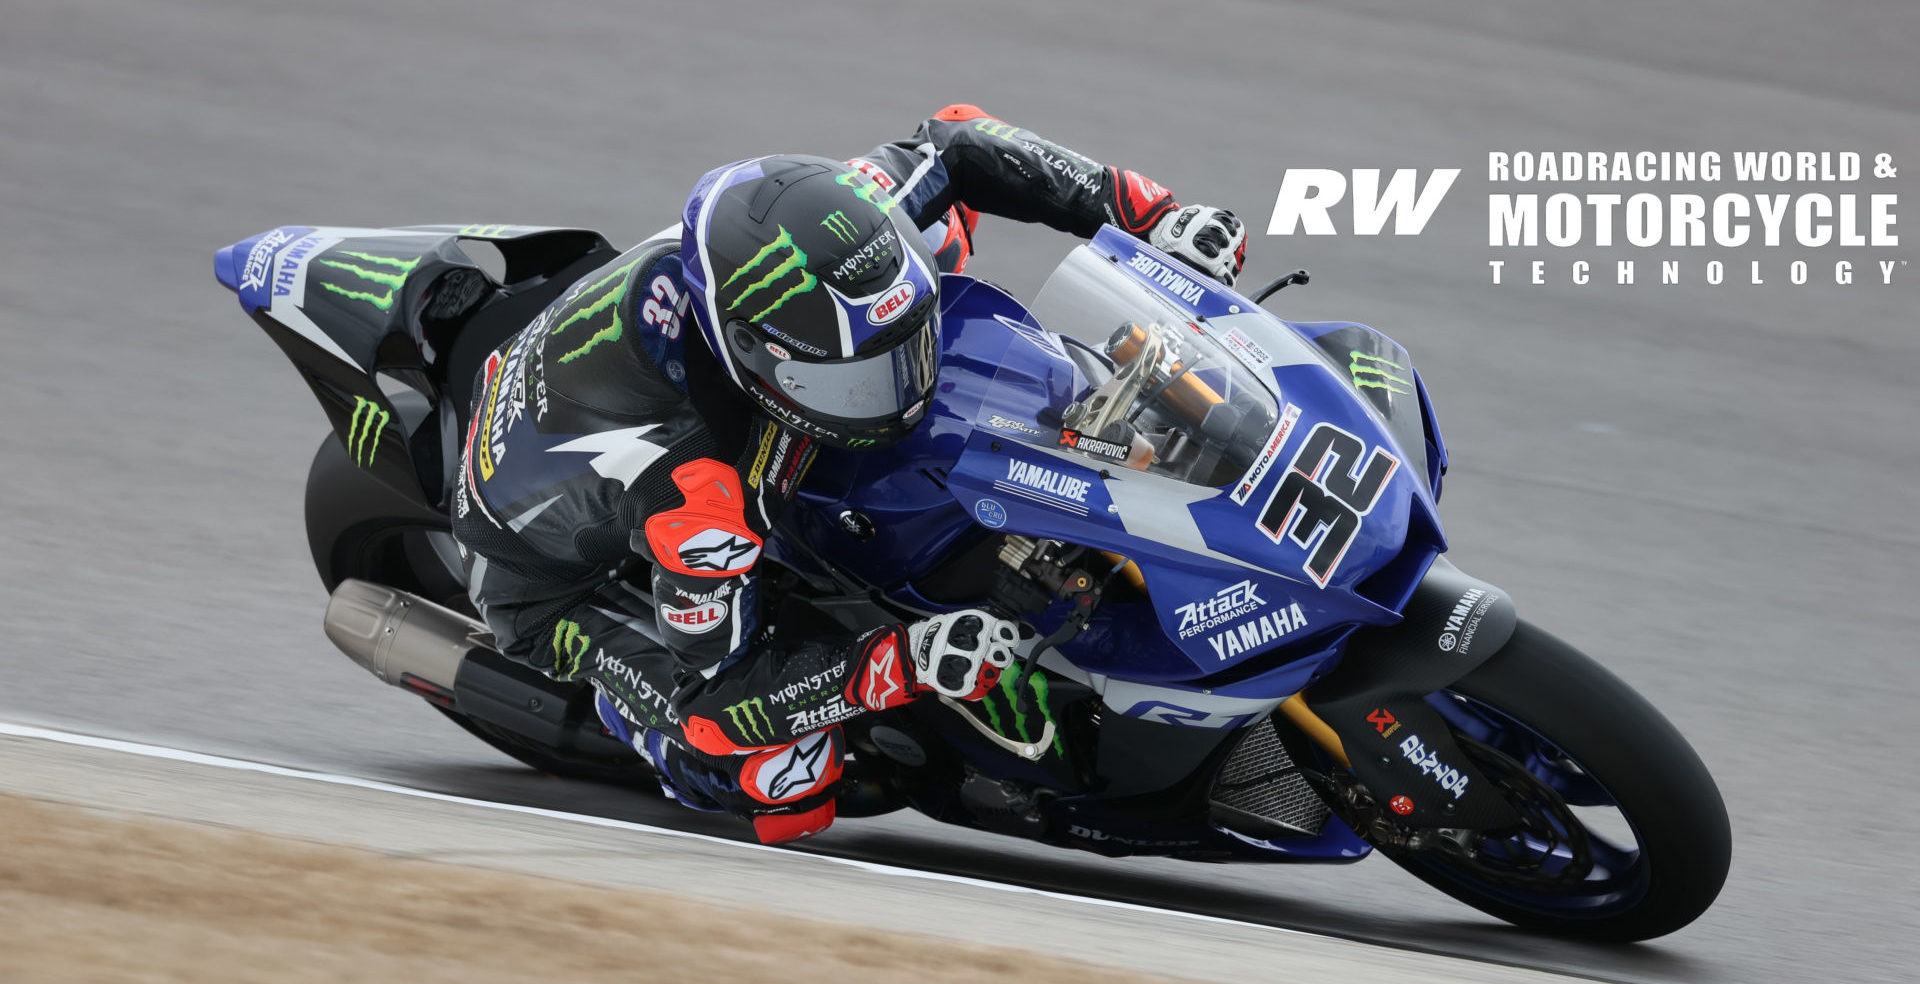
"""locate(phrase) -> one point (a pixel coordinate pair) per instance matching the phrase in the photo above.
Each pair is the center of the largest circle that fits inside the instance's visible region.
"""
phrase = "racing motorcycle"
(1242, 639)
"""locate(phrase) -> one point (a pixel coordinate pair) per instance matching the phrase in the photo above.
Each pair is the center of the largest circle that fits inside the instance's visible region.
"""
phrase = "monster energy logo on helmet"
(374, 282)
(785, 257)
(840, 226)
(369, 421)
(569, 647)
(750, 719)
(1374, 372)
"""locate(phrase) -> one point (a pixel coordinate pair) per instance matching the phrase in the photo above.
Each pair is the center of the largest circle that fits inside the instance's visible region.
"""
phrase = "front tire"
(1590, 764)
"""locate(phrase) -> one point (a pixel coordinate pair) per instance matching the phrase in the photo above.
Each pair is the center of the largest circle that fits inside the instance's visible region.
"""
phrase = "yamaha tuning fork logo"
(1634, 217)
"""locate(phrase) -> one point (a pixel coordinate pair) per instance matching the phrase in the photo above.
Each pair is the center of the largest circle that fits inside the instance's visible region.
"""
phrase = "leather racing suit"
(617, 488)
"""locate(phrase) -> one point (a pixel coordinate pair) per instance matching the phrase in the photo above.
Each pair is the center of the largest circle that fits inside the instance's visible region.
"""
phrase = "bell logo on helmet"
(891, 305)
(794, 261)
(840, 226)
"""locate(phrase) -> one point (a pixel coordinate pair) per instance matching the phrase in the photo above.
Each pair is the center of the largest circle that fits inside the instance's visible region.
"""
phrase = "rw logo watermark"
(373, 283)
(785, 258)
(750, 719)
(840, 226)
(364, 429)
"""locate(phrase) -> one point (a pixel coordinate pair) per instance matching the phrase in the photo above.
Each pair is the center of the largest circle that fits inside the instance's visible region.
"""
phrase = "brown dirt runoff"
(87, 898)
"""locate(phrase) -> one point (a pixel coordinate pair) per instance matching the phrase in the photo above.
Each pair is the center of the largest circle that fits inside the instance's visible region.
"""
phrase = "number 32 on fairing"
(1326, 488)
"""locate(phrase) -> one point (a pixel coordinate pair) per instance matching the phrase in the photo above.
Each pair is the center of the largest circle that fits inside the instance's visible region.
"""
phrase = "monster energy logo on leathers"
(569, 647)
(371, 277)
(840, 226)
(1009, 695)
(1374, 372)
(750, 719)
(369, 421)
(605, 293)
(795, 260)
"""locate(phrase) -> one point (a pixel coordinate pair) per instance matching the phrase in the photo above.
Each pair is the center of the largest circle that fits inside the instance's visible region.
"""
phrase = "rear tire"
(359, 528)
(1583, 732)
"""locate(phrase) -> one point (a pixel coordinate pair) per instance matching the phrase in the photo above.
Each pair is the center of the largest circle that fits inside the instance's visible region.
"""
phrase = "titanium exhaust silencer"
(404, 639)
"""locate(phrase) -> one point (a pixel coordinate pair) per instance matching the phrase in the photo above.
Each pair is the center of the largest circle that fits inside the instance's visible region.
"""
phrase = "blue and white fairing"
(1274, 496)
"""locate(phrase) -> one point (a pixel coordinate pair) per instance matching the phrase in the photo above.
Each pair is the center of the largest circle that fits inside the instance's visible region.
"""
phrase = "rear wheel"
(1623, 833)
(359, 528)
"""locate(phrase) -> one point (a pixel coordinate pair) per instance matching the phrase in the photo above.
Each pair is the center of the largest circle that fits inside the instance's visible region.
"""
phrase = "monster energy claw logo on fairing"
(751, 720)
(614, 286)
(569, 646)
(869, 190)
(1009, 694)
(1374, 372)
(795, 260)
(378, 272)
(840, 226)
(364, 430)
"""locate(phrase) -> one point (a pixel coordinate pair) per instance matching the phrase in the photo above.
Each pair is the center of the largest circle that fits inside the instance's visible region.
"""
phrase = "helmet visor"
(867, 388)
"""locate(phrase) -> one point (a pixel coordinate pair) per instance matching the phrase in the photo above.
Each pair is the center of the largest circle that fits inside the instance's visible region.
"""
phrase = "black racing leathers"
(617, 488)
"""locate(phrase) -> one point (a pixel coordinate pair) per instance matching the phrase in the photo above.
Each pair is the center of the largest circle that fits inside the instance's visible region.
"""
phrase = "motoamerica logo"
(786, 258)
(364, 429)
(750, 719)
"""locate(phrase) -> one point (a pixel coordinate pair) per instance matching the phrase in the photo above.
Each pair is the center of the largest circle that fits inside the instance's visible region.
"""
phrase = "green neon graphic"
(868, 192)
(483, 230)
(369, 422)
(840, 226)
(1010, 684)
(614, 329)
(796, 260)
(751, 720)
(1377, 371)
(995, 128)
(569, 645)
(391, 281)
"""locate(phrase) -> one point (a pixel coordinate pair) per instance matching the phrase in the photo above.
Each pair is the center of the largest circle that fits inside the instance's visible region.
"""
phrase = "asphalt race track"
(1710, 488)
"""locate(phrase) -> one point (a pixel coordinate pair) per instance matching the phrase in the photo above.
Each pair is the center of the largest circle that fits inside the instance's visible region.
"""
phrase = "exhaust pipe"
(404, 639)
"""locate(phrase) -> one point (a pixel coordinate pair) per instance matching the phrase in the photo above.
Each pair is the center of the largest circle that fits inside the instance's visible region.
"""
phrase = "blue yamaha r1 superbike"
(1219, 528)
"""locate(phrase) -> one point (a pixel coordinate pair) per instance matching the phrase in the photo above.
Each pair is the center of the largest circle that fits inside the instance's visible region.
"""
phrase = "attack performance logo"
(595, 299)
(750, 719)
(364, 430)
(374, 278)
(775, 261)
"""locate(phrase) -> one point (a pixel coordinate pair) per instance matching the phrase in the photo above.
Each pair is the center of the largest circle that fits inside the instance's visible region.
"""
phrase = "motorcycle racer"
(621, 475)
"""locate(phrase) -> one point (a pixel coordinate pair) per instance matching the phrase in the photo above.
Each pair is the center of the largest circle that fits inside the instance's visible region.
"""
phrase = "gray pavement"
(1709, 488)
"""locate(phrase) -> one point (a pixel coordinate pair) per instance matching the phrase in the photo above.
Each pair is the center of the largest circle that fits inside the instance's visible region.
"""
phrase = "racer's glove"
(958, 654)
(1211, 240)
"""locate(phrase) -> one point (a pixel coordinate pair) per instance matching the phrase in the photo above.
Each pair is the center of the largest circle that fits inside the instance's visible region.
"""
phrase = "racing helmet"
(817, 294)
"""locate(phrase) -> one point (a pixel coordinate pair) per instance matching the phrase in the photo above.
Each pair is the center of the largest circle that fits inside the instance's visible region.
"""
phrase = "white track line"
(10, 729)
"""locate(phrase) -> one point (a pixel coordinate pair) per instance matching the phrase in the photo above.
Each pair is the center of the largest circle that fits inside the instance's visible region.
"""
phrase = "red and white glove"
(1210, 240)
(960, 654)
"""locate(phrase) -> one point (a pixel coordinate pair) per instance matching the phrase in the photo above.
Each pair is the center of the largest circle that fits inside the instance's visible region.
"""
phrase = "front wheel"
(1623, 833)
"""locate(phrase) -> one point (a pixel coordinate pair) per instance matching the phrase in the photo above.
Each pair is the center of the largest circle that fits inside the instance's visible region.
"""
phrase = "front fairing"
(1228, 580)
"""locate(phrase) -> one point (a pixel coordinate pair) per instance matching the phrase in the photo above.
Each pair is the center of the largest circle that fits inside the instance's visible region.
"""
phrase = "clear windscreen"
(1154, 392)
